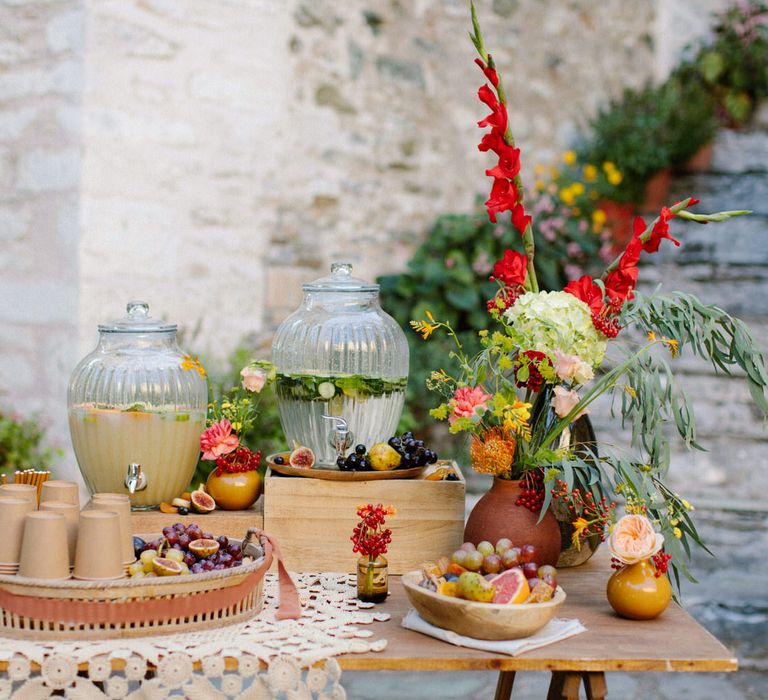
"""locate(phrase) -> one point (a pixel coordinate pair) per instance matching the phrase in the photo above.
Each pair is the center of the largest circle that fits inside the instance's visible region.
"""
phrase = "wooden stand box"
(312, 519)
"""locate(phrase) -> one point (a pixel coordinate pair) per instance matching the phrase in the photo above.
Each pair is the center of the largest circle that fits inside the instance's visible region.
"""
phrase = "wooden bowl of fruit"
(481, 597)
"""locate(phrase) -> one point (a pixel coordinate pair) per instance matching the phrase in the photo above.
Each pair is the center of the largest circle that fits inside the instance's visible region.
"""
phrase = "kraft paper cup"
(71, 514)
(12, 514)
(123, 509)
(98, 555)
(27, 492)
(44, 549)
(61, 492)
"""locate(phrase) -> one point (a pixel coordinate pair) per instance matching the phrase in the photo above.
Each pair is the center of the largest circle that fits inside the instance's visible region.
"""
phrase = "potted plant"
(734, 65)
(631, 133)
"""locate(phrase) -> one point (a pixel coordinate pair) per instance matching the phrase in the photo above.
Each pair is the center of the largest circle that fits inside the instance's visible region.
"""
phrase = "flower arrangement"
(541, 367)
(370, 539)
(231, 416)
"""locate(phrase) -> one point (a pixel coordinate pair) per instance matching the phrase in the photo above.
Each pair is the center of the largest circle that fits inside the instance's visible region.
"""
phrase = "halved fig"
(203, 548)
(202, 502)
(302, 458)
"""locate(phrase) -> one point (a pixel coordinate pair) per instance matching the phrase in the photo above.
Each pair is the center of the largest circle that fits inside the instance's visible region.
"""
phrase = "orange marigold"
(493, 452)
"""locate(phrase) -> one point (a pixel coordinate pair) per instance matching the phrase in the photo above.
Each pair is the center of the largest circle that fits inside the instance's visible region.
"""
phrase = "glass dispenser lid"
(340, 280)
(137, 320)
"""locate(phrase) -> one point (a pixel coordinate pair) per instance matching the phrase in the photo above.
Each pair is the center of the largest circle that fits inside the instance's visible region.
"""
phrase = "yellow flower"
(677, 532)
(189, 363)
(651, 336)
(630, 391)
(687, 505)
(505, 362)
(578, 188)
(569, 158)
(598, 217)
(566, 194)
(615, 178)
(609, 167)
(553, 172)
(423, 328)
(539, 184)
(674, 350)
(576, 211)
(539, 169)
(579, 525)
(590, 172)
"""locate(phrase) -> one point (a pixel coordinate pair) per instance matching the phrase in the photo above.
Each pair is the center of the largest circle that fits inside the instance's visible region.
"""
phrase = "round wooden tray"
(335, 474)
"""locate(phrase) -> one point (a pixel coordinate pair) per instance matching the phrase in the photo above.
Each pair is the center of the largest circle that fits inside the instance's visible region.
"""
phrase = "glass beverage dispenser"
(339, 356)
(137, 406)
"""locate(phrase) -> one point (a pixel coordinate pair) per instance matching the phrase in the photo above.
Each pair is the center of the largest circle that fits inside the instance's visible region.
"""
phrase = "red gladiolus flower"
(497, 119)
(489, 73)
(660, 230)
(512, 269)
(520, 220)
(503, 198)
(585, 289)
(492, 141)
(509, 162)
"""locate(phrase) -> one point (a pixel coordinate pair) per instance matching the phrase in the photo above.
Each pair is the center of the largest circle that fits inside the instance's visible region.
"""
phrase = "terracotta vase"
(636, 593)
(700, 161)
(236, 491)
(657, 191)
(495, 516)
(618, 219)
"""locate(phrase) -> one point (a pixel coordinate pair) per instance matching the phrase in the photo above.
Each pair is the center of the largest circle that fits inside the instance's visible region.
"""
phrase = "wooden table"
(672, 642)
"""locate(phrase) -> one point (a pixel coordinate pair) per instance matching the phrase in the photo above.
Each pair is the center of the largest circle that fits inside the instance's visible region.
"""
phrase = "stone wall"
(217, 155)
(41, 77)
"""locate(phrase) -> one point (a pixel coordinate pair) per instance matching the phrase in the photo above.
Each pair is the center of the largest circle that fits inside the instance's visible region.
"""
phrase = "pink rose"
(565, 401)
(572, 368)
(218, 440)
(254, 378)
(634, 539)
(468, 402)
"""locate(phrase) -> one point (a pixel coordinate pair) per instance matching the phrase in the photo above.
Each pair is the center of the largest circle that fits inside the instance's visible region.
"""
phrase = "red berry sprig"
(238, 461)
(661, 562)
(532, 491)
(369, 537)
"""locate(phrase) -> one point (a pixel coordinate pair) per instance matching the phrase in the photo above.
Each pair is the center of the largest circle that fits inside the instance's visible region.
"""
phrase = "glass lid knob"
(341, 270)
(137, 309)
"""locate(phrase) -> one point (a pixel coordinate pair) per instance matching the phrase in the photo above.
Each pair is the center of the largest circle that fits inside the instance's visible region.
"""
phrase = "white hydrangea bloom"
(549, 321)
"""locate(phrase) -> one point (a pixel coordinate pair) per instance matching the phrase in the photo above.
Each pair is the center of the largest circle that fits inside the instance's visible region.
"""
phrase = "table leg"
(504, 685)
(564, 686)
(594, 684)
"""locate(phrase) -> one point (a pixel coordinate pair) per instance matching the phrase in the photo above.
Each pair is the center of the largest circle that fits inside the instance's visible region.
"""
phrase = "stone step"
(724, 191)
(740, 151)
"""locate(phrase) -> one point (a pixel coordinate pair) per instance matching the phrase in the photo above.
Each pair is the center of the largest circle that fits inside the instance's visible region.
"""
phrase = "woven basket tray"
(38, 609)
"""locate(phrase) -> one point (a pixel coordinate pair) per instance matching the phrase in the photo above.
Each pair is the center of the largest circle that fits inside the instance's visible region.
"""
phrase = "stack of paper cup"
(12, 514)
(61, 492)
(44, 550)
(71, 515)
(120, 504)
(99, 553)
(26, 491)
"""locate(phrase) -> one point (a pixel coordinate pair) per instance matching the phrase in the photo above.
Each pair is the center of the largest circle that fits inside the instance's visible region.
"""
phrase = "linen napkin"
(554, 631)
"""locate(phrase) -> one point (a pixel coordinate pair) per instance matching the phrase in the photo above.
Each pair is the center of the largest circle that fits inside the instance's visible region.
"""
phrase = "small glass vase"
(635, 592)
(372, 581)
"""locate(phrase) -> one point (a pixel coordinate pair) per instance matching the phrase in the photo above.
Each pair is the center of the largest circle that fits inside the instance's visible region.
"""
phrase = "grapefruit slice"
(511, 586)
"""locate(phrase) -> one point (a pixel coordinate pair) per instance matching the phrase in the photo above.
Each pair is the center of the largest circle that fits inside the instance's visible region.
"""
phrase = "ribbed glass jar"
(131, 401)
(339, 355)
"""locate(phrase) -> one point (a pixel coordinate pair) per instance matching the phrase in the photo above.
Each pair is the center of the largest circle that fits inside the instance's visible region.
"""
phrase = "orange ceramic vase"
(634, 592)
(495, 516)
(236, 491)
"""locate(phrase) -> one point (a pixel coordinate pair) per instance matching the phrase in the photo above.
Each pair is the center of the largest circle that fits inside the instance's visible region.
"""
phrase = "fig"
(203, 548)
(166, 567)
(302, 458)
(201, 502)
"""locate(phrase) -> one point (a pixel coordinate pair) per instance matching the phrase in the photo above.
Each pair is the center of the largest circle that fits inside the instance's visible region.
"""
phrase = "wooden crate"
(312, 519)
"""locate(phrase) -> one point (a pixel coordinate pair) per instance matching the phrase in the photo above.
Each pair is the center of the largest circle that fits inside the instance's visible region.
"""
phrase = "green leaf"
(712, 65)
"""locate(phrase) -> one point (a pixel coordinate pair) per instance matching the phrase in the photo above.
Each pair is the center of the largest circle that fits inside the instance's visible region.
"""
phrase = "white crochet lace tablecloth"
(330, 626)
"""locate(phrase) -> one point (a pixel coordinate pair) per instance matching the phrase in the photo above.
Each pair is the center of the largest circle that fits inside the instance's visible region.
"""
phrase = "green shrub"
(692, 118)
(22, 444)
(631, 132)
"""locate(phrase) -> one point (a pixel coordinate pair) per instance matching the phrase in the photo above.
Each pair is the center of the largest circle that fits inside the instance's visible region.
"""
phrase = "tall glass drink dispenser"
(137, 406)
(339, 356)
